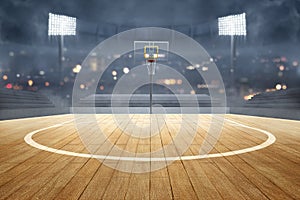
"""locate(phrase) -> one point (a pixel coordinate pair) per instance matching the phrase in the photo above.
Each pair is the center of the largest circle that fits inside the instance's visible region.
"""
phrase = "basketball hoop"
(151, 54)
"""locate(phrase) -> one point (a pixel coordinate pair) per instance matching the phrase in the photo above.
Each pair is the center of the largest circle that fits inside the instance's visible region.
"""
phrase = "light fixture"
(232, 25)
(61, 25)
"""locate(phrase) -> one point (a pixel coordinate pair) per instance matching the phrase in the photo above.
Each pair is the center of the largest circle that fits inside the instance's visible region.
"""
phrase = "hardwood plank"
(80, 180)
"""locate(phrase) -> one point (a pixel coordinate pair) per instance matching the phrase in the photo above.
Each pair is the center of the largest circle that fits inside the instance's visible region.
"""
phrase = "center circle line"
(29, 140)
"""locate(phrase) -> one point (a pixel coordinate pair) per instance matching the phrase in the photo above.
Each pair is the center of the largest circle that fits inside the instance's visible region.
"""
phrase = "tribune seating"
(142, 100)
(287, 99)
(17, 99)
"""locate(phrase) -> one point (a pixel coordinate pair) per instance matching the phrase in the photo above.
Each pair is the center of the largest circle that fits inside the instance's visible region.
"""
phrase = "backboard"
(157, 50)
(151, 52)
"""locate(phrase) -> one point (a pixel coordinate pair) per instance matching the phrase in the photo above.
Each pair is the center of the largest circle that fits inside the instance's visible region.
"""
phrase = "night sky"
(273, 35)
(269, 21)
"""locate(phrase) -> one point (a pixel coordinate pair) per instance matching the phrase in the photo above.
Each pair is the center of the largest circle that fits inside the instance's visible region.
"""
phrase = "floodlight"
(61, 25)
(232, 25)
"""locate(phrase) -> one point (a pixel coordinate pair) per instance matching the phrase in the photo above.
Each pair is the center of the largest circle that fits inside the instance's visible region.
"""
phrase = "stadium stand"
(19, 104)
(289, 99)
(16, 99)
(278, 104)
(142, 100)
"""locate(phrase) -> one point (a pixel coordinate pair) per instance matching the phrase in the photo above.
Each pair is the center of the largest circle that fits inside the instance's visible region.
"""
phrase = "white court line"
(29, 118)
(271, 139)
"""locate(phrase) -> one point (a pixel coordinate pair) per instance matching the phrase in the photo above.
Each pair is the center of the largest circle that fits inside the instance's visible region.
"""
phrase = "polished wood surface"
(270, 173)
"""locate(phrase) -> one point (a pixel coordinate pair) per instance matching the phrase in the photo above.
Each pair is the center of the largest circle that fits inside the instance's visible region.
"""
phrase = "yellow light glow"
(190, 67)
(284, 87)
(281, 68)
(248, 97)
(204, 68)
(77, 69)
(82, 86)
(114, 73)
(47, 83)
(30, 82)
(5, 77)
(167, 82)
(172, 81)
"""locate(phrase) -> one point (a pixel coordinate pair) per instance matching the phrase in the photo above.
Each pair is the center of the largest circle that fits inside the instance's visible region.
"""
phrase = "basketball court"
(254, 158)
(130, 100)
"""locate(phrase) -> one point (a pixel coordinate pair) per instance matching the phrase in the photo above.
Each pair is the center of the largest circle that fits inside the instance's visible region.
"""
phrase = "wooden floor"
(270, 173)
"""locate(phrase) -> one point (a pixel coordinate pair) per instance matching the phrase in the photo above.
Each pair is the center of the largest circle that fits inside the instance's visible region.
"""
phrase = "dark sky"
(273, 27)
(267, 19)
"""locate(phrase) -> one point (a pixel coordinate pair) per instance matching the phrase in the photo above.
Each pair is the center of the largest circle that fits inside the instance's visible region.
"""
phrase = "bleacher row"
(16, 99)
(288, 99)
(143, 100)
(12, 99)
(18, 104)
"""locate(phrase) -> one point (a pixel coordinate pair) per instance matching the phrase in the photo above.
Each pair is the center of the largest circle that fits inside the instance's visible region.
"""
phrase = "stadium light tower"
(233, 25)
(61, 25)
